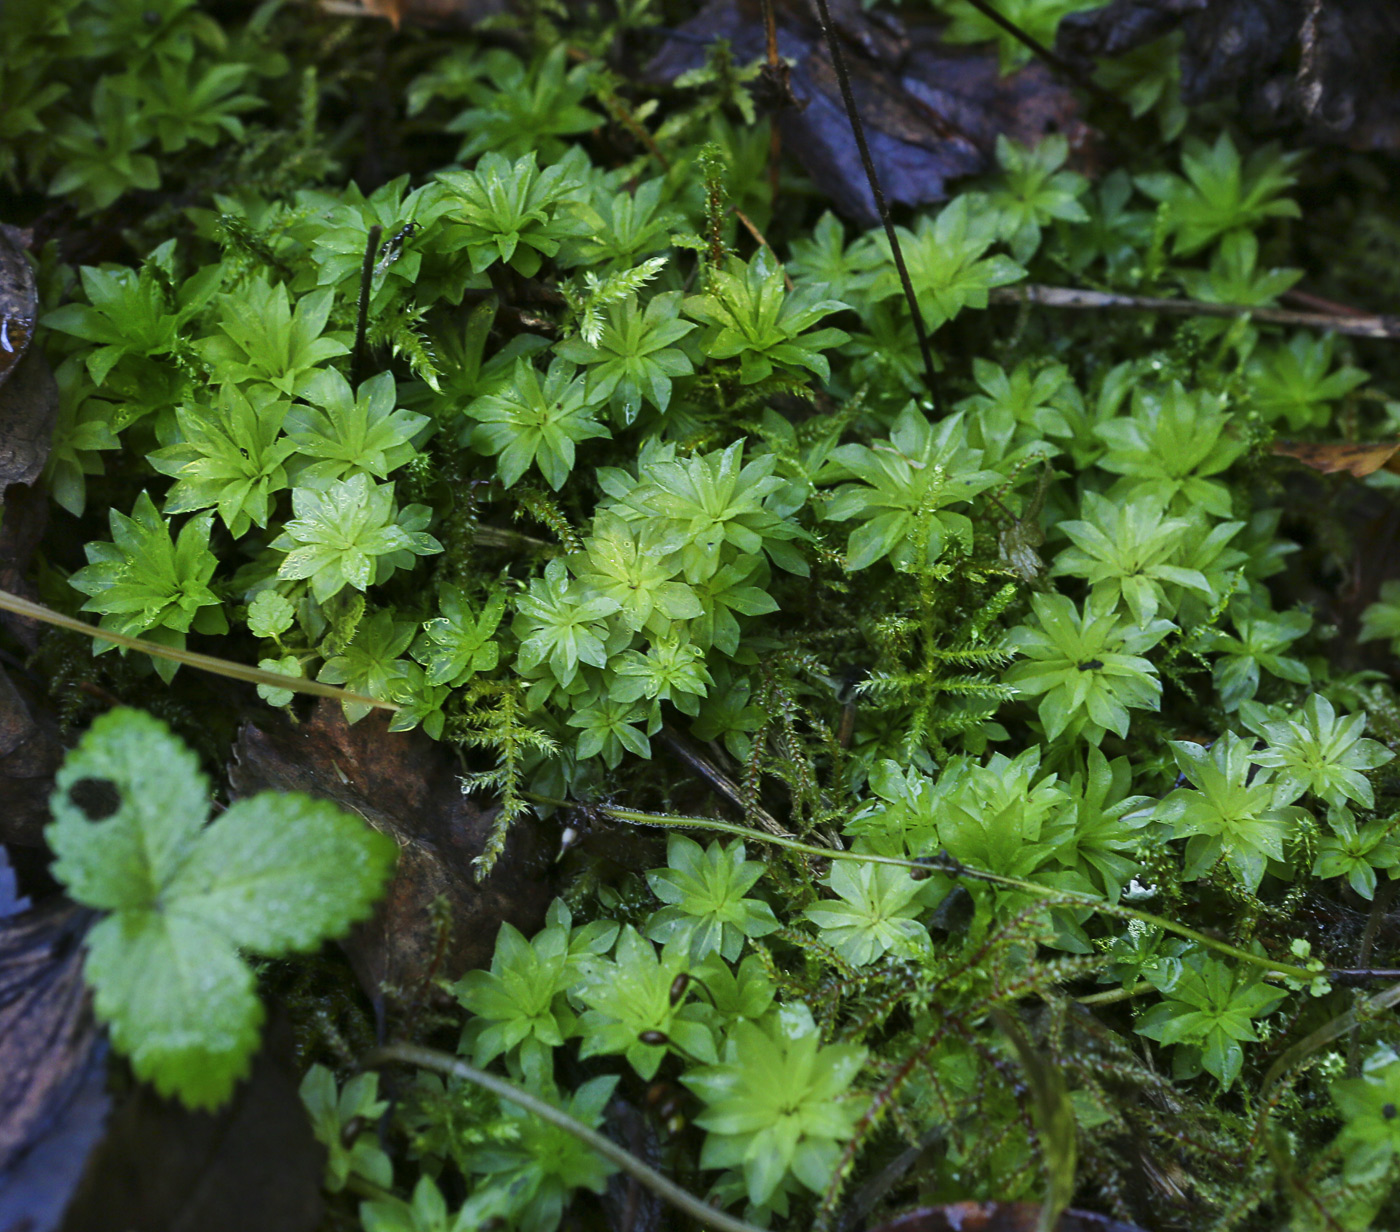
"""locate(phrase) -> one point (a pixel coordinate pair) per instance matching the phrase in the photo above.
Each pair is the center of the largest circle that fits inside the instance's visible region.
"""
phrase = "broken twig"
(1387, 326)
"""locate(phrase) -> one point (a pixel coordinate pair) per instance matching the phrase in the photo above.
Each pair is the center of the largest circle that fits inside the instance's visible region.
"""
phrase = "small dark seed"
(1388, 1111)
(1091, 665)
(678, 987)
(655, 1038)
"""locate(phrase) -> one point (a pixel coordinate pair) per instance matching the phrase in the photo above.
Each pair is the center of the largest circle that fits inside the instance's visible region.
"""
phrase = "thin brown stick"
(1306, 299)
(719, 782)
(762, 242)
(621, 113)
(200, 662)
(1387, 326)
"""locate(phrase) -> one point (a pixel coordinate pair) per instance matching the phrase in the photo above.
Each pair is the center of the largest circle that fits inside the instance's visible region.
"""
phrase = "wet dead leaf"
(1327, 69)
(407, 786)
(1355, 458)
(932, 111)
(19, 300)
(52, 1071)
(998, 1217)
(253, 1165)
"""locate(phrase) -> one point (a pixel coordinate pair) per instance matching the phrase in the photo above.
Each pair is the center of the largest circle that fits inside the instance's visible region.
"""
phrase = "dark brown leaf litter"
(24, 516)
(998, 1217)
(30, 754)
(1329, 67)
(408, 786)
(932, 111)
(52, 1074)
(252, 1166)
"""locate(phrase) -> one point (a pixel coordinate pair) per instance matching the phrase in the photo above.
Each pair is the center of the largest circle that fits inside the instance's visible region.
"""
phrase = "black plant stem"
(839, 63)
(357, 360)
(1039, 49)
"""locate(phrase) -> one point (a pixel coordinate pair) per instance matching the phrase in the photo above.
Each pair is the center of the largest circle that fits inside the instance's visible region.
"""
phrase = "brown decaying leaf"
(998, 1217)
(52, 1076)
(1353, 457)
(253, 1166)
(19, 300)
(1331, 69)
(407, 786)
(932, 111)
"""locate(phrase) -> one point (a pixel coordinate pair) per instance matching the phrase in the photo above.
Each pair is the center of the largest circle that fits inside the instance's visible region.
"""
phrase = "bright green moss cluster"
(607, 473)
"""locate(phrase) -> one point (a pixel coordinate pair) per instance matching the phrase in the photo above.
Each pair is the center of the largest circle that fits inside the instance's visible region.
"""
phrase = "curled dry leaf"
(1353, 457)
(932, 111)
(407, 786)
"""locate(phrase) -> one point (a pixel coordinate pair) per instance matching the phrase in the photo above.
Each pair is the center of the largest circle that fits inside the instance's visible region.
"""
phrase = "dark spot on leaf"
(1091, 665)
(1388, 1111)
(658, 1039)
(96, 798)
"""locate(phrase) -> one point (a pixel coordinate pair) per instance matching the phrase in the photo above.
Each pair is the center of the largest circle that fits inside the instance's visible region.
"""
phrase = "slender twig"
(1380, 906)
(1041, 51)
(623, 115)
(357, 360)
(201, 662)
(1359, 975)
(762, 241)
(1074, 297)
(1308, 300)
(770, 33)
(951, 868)
(838, 61)
(445, 1063)
(718, 780)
